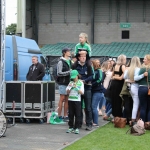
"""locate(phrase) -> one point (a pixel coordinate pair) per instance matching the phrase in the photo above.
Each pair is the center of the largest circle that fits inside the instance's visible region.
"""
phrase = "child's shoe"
(76, 131)
(70, 130)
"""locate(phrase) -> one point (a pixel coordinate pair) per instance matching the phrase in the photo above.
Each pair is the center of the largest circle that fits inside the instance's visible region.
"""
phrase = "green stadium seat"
(113, 49)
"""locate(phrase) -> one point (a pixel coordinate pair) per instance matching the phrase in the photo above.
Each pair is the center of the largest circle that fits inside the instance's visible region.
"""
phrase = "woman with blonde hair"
(142, 76)
(116, 86)
(129, 76)
(107, 69)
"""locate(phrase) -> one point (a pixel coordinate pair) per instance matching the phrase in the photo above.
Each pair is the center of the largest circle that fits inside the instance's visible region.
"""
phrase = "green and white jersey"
(74, 88)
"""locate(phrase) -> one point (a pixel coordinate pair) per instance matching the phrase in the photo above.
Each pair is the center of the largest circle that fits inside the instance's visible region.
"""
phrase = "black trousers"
(88, 108)
(128, 105)
(74, 111)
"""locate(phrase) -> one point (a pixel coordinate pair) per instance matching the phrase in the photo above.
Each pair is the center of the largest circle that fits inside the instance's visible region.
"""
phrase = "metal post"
(50, 11)
(117, 11)
(23, 18)
(127, 11)
(79, 11)
(144, 10)
(110, 11)
(2, 59)
(65, 11)
(35, 22)
(92, 20)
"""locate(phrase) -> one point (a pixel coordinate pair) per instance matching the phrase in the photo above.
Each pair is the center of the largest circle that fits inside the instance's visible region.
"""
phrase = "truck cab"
(18, 58)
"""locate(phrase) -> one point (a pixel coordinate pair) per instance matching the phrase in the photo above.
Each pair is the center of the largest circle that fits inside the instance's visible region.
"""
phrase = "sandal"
(100, 113)
(105, 117)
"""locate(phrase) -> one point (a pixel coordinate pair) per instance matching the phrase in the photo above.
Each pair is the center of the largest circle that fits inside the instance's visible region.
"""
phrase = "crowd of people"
(116, 87)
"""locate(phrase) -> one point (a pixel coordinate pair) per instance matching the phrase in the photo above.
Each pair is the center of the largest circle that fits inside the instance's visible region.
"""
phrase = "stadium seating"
(102, 50)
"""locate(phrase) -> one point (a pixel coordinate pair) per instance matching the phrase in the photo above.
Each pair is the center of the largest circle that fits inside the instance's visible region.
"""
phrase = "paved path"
(35, 136)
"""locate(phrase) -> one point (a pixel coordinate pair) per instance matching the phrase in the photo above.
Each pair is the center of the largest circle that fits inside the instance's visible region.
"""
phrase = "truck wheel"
(45, 119)
(27, 120)
(41, 121)
(9, 120)
(21, 120)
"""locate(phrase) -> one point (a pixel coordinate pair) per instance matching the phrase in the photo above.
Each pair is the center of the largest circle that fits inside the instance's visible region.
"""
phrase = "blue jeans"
(96, 98)
(108, 109)
(144, 103)
(102, 102)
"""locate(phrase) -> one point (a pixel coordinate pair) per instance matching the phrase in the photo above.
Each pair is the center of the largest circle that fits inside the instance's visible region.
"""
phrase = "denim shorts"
(62, 89)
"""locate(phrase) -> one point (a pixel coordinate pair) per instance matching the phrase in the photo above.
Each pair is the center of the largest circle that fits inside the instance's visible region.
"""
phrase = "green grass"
(110, 138)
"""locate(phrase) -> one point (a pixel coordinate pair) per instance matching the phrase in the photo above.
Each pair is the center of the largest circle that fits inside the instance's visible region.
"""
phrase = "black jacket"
(83, 71)
(63, 72)
(97, 85)
(37, 74)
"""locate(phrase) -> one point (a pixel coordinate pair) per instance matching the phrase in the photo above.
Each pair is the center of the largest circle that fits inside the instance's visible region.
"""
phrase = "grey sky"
(11, 12)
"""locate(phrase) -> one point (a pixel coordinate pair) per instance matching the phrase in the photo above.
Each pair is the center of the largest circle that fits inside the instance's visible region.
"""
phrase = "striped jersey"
(74, 88)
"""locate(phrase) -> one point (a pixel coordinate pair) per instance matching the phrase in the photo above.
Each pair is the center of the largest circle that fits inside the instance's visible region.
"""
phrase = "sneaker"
(96, 125)
(70, 130)
(76, 131)
(66, 119)
(88, 128)
(60, 117)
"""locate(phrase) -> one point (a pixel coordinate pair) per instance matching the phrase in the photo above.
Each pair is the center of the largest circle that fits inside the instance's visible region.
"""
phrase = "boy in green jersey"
(75, 89)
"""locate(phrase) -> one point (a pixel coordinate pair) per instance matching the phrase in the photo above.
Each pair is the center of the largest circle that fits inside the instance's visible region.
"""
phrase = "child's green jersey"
(74, 88)
(84, 47)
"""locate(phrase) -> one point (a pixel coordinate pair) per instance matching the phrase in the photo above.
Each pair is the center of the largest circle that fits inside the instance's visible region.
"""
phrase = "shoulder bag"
(120, 122)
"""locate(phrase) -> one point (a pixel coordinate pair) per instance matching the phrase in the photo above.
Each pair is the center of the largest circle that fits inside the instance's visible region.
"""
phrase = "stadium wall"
(111, 32)
(63, 21)
(104, 32)
(60, 32)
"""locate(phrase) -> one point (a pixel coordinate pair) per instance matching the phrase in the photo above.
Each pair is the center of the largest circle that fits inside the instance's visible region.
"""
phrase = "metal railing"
(2, 58)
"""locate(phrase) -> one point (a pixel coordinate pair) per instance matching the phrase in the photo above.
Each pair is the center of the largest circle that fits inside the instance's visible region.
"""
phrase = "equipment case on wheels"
(29, 99)
(13, 104)
(51, 95)
(35, 98)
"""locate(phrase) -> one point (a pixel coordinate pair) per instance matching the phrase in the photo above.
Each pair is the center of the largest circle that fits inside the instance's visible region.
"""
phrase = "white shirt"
(74, 88)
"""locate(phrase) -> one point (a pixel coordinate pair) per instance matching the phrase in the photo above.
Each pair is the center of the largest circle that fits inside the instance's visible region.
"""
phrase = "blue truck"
(18, 58)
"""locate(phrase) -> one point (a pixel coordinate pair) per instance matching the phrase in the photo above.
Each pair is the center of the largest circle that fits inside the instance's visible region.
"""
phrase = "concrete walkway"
(35, 136)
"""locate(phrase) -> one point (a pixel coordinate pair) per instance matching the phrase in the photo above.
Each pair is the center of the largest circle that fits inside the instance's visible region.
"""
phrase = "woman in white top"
(129, 76)
(107, 69)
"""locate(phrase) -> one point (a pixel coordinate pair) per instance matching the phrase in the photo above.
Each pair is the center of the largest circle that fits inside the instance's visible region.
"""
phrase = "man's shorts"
(62, 89)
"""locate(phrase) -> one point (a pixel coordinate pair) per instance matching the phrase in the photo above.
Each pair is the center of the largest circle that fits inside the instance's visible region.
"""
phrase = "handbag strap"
(147, 78)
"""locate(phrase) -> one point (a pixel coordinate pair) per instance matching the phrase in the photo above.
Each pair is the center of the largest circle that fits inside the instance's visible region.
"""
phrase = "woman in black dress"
(116, 86)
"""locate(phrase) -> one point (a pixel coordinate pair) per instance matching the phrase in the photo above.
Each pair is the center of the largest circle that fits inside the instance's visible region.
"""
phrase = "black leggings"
(128, 104)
